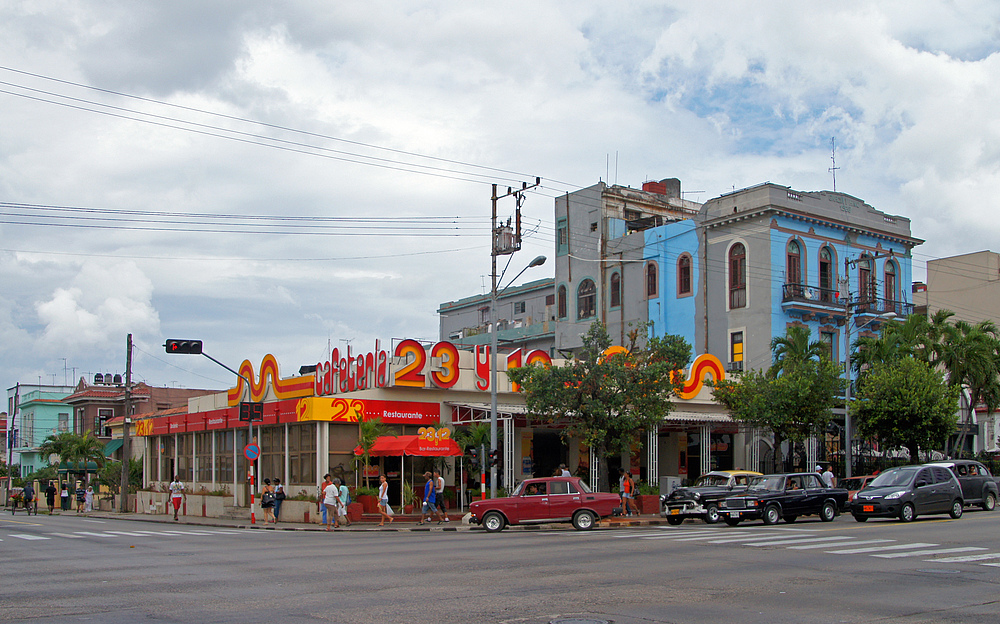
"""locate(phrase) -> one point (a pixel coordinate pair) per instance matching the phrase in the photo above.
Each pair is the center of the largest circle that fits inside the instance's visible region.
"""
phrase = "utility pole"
(10, 437)
(126, 425)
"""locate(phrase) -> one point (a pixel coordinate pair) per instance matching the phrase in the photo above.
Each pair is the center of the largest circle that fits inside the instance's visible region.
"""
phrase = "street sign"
(252, 451)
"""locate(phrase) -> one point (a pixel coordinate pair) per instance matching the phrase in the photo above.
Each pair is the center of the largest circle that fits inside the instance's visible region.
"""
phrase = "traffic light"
(183, 346)
(251, 412)
(493, 457)
(473, 454)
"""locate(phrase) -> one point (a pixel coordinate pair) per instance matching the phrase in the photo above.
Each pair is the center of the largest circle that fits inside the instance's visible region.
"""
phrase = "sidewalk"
(402, 523)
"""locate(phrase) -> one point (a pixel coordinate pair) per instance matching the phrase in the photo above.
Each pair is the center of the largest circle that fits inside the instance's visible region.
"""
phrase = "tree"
(110, 475)
(906, 404)
(369, 431)
(793, 399)
(968, 353)
(476, 436)
(606, 400)
(75, 448)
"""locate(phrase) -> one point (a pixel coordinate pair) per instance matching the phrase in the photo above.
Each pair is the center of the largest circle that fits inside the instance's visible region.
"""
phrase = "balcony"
(810, 295)
(874, 307)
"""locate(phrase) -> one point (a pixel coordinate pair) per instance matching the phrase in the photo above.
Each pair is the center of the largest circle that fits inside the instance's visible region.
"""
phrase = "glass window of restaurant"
(302, 453)
(185, 458)
(272, 452)
(166, 444)
(203, 449)
(224, 456)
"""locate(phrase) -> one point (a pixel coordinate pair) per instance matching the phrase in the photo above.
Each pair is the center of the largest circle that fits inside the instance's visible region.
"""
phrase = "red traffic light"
(183, 346)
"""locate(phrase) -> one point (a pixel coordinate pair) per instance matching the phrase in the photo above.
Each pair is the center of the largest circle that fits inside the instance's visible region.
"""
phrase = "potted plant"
(368, 497)
(647, 498)
(409, 498)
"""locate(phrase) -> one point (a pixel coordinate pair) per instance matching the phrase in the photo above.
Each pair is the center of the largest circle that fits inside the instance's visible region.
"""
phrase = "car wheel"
(772, 515)
(732, 521)
(493, 522)
(990, 502)
(583, 520)
(907, 513)
(956, 509)
(675, 520)
(829, 512)
(861, 518)
(711, 514)
(790, 519)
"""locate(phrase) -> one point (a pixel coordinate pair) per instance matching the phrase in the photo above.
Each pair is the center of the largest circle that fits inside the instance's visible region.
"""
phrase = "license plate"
(675, 512)
(869, 508)
(734, 514)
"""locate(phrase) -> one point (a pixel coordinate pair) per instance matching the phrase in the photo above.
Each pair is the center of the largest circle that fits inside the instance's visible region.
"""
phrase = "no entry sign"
(252, 451)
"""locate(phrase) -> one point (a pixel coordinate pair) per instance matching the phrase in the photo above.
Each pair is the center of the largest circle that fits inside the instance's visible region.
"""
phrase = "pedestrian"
(330, 494)
(81, 497)
(50, 497)
(828, 477)
(88, 499)
(627, 489)
(383, 501)
(267, 501)
(819, 469)
(343, 500)
(64, 497)
(177, 494)
(279, 497)
(321, 496)
(439, 495)
(428, 506)
(563, 472)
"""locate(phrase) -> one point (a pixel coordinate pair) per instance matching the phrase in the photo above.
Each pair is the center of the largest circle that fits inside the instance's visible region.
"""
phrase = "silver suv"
(909, 491)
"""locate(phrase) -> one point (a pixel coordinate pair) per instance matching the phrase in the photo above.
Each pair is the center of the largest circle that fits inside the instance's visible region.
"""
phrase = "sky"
(286, 176)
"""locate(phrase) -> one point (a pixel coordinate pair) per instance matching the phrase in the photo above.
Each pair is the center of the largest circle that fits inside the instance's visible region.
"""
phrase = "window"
(302, 453)
(737, 276)
(616, 290)
(550, 300)
(890, 282)
(866, 283)
(793, 263)
(652, 282)
(829, 340)
(562, 237)
(63, 422)
(167, 458)
(736, 347)
(100, 425)
(559, 487)
(561, 312)
(272, 452)
(518, 307)
(586, 299)
(224, 456)
(826, 289)
(684, 275)
(484, 315)
(203, 456)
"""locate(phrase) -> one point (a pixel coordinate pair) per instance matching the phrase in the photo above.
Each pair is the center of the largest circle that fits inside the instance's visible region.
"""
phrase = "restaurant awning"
(412, 445)
(111, 447)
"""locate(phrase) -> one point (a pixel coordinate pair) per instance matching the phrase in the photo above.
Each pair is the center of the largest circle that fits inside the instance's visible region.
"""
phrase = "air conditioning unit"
(735, 366)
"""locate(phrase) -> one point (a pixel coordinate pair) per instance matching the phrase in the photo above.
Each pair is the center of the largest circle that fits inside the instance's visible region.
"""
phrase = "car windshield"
(854, 483)
(519, 489)
(711, 481)
(584, 487)
(773, 482)
(895, 476)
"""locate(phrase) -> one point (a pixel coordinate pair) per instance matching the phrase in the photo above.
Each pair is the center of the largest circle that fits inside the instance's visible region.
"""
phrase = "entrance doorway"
(548, 450)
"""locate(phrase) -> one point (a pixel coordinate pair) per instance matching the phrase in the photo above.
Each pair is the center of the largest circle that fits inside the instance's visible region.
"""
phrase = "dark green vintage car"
(784, 496)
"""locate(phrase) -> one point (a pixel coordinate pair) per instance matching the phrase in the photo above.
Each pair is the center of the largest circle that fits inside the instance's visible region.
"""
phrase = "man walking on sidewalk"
(439, 495)
(177, 494)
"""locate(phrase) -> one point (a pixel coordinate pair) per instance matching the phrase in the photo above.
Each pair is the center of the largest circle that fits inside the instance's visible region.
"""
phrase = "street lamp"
(848, 454)
(538, 261)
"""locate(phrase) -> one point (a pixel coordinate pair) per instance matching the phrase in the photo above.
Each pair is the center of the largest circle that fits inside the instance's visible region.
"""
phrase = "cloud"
(105, 302)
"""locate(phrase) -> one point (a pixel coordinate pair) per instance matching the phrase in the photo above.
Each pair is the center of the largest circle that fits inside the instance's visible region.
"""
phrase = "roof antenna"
(833, 158)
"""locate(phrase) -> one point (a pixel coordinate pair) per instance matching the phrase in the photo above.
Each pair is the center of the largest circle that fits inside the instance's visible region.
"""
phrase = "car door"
(564, 499)
(946, 488)
(533, 504)
(924, 493)
(793, 503)
(815, 493)
(975, 487)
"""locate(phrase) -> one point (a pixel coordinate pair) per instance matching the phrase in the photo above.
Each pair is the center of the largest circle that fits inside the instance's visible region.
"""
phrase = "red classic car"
(552, 499)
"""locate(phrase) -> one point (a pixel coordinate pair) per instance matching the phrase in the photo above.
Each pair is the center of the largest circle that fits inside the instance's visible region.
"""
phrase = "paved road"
(73, 569)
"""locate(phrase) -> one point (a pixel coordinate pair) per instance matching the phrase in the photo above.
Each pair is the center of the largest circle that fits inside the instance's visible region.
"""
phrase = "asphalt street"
(76, 569)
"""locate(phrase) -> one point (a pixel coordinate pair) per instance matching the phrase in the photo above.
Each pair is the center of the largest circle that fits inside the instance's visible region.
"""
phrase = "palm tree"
(475, 436)
(369, 431)
(969, 353)
(794, 349)
(75, 448)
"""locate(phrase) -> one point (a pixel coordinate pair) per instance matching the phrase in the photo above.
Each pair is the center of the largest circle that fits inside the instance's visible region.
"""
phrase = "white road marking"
(133, 534)
(804, 540)
(748, 539)
(855, 543)
(94, 534)
(67, 535)
(940, 551)
(967, 558)
(94, 521)
(995, 565)
(26, 536)
(853, 551)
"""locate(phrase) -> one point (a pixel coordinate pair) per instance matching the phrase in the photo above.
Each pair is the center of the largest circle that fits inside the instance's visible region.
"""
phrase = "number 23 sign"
(434, 435)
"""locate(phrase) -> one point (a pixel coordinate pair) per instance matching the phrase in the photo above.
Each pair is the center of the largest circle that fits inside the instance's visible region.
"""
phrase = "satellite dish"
(53, 459)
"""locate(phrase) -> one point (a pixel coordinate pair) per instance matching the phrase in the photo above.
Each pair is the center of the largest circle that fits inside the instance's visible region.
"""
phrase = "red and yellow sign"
(345, 409)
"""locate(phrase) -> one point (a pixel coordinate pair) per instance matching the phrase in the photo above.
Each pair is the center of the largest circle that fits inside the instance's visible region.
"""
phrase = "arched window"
(616, 290)
(738, 276)
(684, 275)
(891, 294)
(561, 302)
(866, 281)
(651, 280)
(793, 264)
(586, 299)
(826, 287)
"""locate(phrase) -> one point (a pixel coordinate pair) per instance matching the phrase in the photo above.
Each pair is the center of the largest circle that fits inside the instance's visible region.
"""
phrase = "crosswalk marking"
(26, 536)
(93, 534)
(802, 540)
(939, 551)
(130, 533)
(968, 558)
(747, 539)
(853, 551)
(827, 545)
(67, 535)
(995, 565)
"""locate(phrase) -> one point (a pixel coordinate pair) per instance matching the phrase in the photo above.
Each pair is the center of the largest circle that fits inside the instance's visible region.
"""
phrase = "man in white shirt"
(828, 478)
(177, 494)
(563, 472)
(439, 494)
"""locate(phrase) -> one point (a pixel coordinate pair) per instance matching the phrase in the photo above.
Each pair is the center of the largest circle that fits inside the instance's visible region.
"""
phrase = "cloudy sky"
(277, 177)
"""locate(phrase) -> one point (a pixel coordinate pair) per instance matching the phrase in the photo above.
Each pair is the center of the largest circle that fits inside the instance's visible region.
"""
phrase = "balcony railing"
(881, 306)
(810, 294)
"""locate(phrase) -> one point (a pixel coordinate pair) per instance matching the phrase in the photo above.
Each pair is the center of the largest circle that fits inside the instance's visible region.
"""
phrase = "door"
(564, 499)
(794, 502)
(815, 493)
(945, 488)
(924, 494)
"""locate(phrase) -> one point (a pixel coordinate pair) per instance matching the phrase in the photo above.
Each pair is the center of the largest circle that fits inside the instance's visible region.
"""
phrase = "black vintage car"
(979, 487)
(784, 496)
(702, 499)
